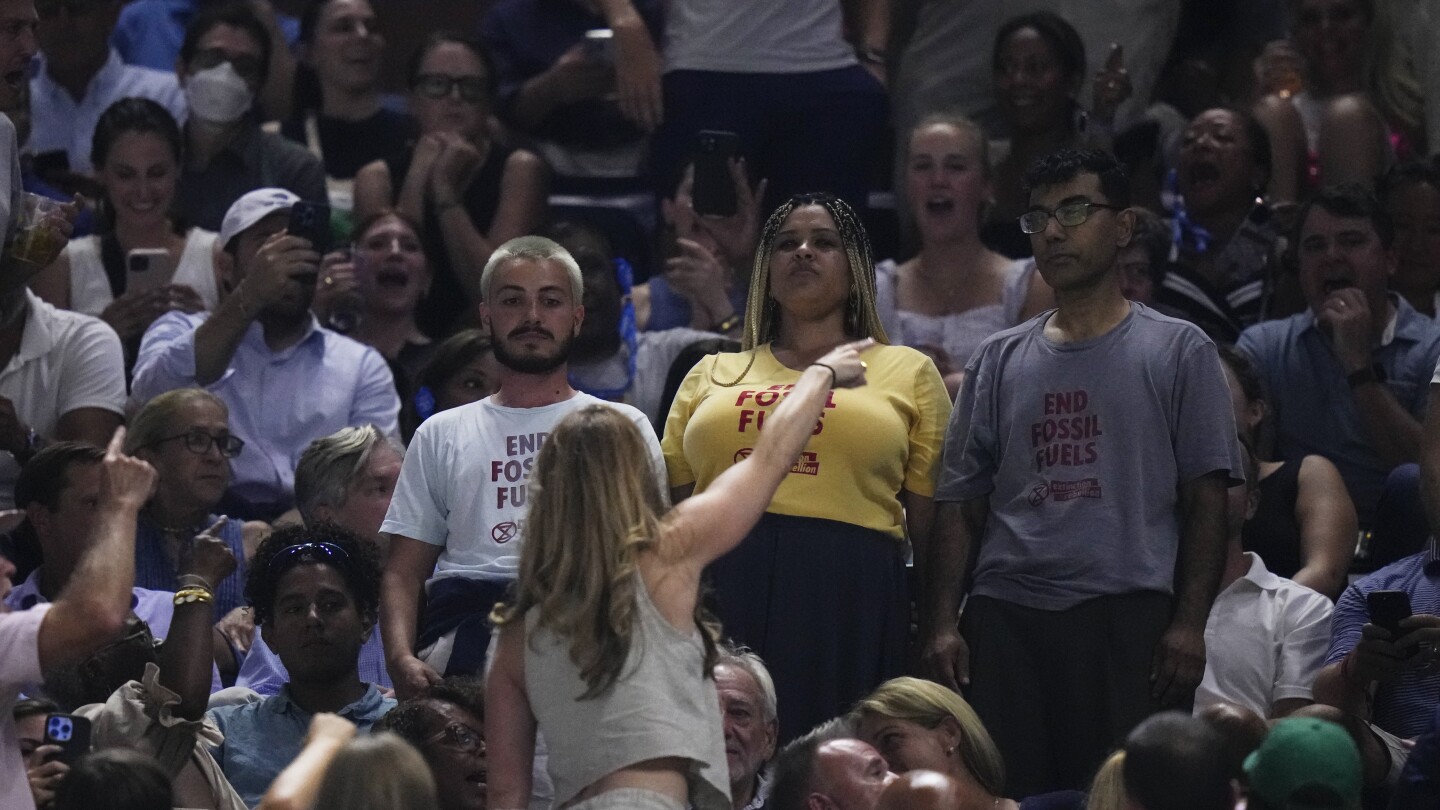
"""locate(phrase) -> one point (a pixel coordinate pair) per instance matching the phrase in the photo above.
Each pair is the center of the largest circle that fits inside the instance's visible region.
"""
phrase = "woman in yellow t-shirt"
(818, 588)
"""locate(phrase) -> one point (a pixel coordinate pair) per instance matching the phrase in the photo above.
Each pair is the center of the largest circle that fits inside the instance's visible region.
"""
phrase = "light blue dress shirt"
(60, 121)
(279, 401)
(262, 738)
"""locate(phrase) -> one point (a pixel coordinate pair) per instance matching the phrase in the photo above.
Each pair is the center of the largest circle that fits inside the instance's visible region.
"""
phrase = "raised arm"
(714, 521)
(188, 652)
(296, 787)
(92, 608)
(274, 265)
(410, 563)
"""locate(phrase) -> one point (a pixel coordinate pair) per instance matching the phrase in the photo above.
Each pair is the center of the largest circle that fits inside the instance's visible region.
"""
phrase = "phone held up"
(71, 733)
(713, 192)
(1387, 609)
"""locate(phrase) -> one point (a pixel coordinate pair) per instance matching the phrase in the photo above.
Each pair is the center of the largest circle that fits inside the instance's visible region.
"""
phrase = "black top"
(253, 159)
(349, 145)
(1273, 532)
(448, 301)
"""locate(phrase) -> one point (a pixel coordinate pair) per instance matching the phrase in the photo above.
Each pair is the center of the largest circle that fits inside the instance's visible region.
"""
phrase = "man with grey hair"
(828, 767)
(455, 521)
(346, 478)
(747, 709)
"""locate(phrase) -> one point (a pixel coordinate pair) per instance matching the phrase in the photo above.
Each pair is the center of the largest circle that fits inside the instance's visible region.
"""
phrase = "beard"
(533, 363)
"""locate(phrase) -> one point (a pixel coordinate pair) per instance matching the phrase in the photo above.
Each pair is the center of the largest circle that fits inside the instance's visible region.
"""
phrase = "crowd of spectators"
(815, 404)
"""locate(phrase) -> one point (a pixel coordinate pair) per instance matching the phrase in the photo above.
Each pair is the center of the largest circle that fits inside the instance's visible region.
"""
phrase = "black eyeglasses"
(318, 552)
(247, 65)
(460, 737)
(1069, 215)
(473, 89)
(199, 442)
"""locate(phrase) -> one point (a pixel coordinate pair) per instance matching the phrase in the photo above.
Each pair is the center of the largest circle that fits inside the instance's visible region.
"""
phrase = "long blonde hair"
(1107, 790)
(928, 704)
(378, 771)
(595, 505)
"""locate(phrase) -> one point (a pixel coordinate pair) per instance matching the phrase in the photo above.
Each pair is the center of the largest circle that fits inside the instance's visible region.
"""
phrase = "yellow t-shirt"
(869, 444)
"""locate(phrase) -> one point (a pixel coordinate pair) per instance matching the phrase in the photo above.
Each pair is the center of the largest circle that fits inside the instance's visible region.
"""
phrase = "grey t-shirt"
(1080, 448)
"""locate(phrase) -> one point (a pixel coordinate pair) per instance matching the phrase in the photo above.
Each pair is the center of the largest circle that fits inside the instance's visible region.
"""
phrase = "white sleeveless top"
(958, 334)
(90, 287)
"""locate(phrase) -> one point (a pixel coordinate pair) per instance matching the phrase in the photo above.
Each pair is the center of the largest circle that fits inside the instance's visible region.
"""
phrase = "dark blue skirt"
(824, 603)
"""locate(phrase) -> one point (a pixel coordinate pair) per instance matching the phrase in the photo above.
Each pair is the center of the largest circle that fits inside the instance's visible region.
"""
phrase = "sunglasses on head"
(315, 552)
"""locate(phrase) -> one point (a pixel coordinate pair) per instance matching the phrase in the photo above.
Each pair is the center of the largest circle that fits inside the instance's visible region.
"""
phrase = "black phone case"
(311, 221)
(70, 732)
(713, 192)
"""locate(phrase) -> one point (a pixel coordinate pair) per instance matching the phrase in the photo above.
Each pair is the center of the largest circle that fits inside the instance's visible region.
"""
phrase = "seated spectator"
(42, 767)
(1304, 525)
(1411, 193)
(185, 435)
(559, 89)
(136, 153)
(315, 591)
(58, 490)
(151, 33)
(611, 358)
(262, 348)
(373, 295)
(1107, 789)
(338, 112)
(462, 370)
(346, 479)
(1347, 378)
(1304, 762)
(446, 724)
(1383, 679)
(224, 61)
(152, 698)
(30, 178)
(339, 771)
(918, 725)
(1241, 729)
(1221, 278)
(828, 767)
(63, 379)
(1176, 762)
(1142, 262)
(88, 614)
(708, 260)
(81, 75)
(469, 193)
(1266, 635)
(956, 292)
(115, 779)
(747, 708)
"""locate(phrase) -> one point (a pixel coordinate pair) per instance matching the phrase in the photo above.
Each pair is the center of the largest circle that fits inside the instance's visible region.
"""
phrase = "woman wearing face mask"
(339, 116)
(470, 193)
(223, 64)
(136, 153)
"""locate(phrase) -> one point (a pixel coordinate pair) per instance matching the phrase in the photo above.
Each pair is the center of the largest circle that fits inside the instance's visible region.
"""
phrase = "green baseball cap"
(1301, 755)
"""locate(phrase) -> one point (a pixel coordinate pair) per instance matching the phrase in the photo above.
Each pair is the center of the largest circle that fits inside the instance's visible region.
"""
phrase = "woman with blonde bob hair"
(917, 724)
(829, 552)
(604, 648)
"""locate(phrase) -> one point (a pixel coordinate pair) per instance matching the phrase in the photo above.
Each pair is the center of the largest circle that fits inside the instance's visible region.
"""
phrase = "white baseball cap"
(251, 208)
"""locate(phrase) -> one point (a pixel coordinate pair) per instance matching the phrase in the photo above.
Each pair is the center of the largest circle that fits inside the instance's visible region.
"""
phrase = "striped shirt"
(154, 570)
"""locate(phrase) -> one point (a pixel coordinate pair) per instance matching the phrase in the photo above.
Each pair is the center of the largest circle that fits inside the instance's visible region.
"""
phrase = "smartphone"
(311, 220)
(71, 733)
(600, 45)
(713, 192)
(1387, 609)
(147, 268)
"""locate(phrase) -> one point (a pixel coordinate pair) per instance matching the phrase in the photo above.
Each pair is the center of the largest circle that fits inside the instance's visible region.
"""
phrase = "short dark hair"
(1411, 172)
(794, 766)
(31, 706)
(1177, 762)
(46, 475)
(235, 15)
(114, 779)
(359, 566)
(416, 719)
(1059, 34)
(1351, 201)
(1064, 165)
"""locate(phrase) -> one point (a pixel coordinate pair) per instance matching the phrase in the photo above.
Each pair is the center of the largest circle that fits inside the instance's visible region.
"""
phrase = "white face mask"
(218, 95)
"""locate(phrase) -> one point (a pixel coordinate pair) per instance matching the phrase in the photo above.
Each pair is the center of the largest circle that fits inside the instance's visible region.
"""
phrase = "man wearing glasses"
(223, 64)
(1084, 472)
(315, 591)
